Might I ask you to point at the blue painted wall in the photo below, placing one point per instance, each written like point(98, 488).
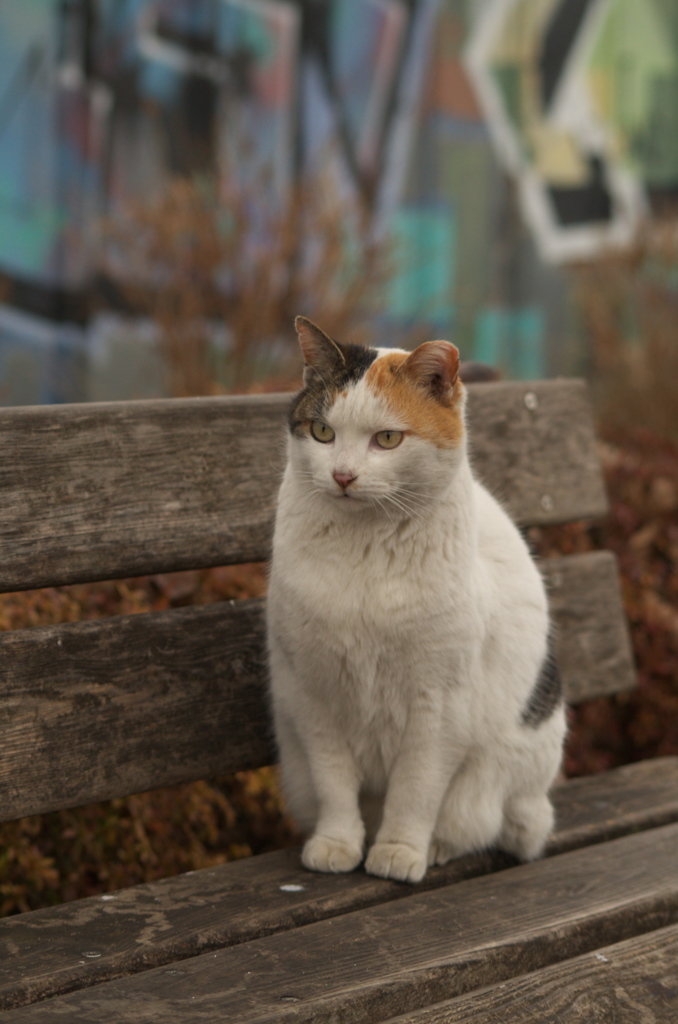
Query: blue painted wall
point(105, 100)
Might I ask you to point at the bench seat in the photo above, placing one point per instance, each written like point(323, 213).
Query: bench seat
point(317, 959)
point(118, 489)
point(638, 976)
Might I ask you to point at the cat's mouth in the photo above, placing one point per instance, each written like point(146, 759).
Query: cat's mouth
point(347, 497)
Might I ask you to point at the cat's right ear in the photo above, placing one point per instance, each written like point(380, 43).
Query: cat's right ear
point(322, 356)
point(434, 367)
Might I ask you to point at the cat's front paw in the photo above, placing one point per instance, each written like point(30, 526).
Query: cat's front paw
point(396, 860)
point(323, 854)
point(439, 852)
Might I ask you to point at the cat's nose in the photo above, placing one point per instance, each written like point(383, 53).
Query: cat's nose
point(343, 479)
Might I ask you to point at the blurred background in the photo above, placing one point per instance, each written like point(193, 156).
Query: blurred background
point(399, 168)
point(180, 178)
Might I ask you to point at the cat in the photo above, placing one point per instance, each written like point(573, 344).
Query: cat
point(416, 705)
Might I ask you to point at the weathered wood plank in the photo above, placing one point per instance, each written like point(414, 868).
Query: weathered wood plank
point(107, 490)
point(87, 698)
point(534, 446)
point(165, 922)
point(382, 961)
point(592, 642)
point(612, 803)
point(630, 982)
point(97, 709)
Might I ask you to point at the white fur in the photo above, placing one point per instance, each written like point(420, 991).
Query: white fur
point(407, 626)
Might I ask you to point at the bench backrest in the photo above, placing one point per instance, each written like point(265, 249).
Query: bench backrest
point(109, 707)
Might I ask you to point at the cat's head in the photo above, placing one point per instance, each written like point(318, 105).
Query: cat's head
point(379, 428)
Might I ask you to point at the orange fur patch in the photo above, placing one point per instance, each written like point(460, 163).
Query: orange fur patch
point(430, 419)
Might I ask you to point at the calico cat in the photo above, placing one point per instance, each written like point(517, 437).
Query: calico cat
point(416, 706)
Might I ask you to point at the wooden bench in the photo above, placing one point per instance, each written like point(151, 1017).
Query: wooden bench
point(104, 708)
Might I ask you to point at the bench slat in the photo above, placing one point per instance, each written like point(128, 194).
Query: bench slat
point(164, 922)
point(592, 641)
point(534, 446)
point(108, 490)
point(398, 957)
point(630, 981)
point(102, 491)
point(117, 706)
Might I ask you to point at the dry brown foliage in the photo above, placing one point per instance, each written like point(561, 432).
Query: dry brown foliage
point(208, 262)
point(641, 472)
point(94, 849)
point(88, 850)
point(629, 306)
point(178, 260)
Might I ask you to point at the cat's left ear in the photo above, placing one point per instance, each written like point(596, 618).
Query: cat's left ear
point(434, 367)
point(322, 356)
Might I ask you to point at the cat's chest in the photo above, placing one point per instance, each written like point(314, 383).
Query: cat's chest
point(361, 585)
point(356, 592)
point(366, 605)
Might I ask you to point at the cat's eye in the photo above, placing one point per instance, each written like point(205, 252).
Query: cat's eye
point(321, 432)
point(388, 438)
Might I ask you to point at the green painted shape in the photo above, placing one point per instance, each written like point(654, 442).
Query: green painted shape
point(528, 342)
point(512, 339)
point(634, 49)
point(33, 236)
point(256, 35)
point(468, 176)
point(424, 249)
point(24, 17)
point(656, 146)
point(488, 346)
point(669, 14)
point(507, 78)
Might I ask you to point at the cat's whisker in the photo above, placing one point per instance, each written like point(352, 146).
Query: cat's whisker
point(410, 511)
point(423, 496)
point(421, 504)
point(413, 500)
point(383, 508)
point(415, 492)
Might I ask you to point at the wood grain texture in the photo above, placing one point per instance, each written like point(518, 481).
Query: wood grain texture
point(592, 641)
point(632, 982)
point(115, 489)
point(534, 446)
point(104, 708)
point(395, 958)
point(612, 803)
point(102, 491)
point(117, 706)
point(169, 921)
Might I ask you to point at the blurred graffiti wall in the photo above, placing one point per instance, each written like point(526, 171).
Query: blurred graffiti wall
point(495, 141)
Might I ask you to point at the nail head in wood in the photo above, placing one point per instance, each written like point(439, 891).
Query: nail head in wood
point(531, 401)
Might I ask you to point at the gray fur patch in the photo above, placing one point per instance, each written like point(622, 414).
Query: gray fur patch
point(317, 395)
point(546, 695)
